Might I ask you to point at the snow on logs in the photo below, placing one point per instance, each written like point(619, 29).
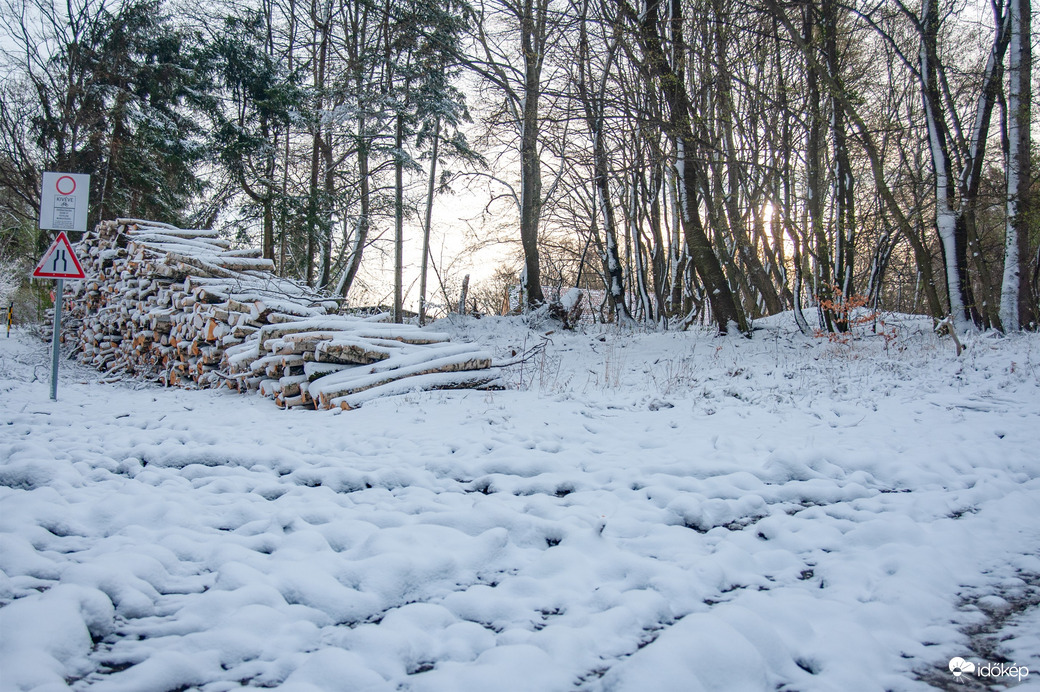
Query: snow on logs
point(180, 306)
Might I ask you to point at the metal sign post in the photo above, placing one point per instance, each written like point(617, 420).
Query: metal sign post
point(59, 291)
point(63, 207)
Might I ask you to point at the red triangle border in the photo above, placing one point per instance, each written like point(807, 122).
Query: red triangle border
point(62, 239)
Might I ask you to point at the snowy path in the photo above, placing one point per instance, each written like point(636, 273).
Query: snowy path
point(666, 512)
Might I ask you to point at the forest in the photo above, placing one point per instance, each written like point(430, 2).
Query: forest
point(691, 161)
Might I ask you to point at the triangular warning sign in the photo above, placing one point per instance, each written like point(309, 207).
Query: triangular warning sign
point(59, 262)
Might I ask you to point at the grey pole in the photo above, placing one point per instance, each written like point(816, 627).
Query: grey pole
point(59, 292)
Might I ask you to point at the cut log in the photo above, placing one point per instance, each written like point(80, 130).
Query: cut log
point(483, 379)
point(290, 385)
point(359, 379)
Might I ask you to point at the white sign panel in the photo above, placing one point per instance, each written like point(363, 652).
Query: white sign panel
point(63, 202)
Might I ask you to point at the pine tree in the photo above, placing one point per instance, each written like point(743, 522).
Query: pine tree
point(143, 137)
point(252, 119)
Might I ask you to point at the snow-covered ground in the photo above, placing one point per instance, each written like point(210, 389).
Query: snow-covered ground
point(643, 511)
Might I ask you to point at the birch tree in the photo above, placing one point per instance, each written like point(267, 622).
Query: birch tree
point(1017, 307)
point(956, 178)
point(592, 92)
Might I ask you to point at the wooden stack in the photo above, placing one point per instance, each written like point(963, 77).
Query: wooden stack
point(182, 307)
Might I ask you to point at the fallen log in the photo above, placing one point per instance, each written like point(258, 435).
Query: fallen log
point(355, 380)
point(482, 379)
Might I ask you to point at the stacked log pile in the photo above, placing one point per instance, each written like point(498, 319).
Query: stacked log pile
point(182, 307)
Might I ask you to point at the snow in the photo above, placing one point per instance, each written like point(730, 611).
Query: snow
point(638, 510)
point(571, 299)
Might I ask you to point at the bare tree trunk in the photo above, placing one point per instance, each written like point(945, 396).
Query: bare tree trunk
point(271, 165)
point(817, 180)
point(463, 295)
point(325, 220)
point(642, 270)
point(844, 198)
point(678, 258)
point(312, 203)
point(658, 258)
point(594, 108)
point(365, 201)
point(785, 191)
point(322, 28)
point(757, 278)
point(283, 216)
point(358, 34)
point(532, 32)
point(430, 189)
point(399, 220)
point(522, 87)
point(726, 238)
point(671, 80)
point(951, 214)
point(921, 252)
point(648, 180)
point(954, 244)
point(1016, 305)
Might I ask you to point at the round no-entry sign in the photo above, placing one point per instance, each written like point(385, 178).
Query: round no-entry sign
point(65, 185)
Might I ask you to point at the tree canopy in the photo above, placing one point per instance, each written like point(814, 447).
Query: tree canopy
point(695, 161)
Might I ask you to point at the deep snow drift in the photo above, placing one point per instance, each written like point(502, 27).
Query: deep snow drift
point(643, 511)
